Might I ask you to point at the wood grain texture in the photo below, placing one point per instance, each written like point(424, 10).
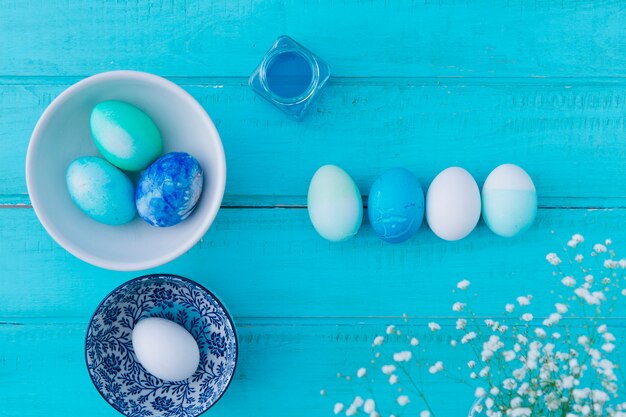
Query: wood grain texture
point(271, 263)
point(569, 137)
point(421, 84)
point(282, 368)
point(358, 38)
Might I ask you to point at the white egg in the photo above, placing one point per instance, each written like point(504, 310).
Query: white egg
point(453, 204)
point(334, 203)
point(509, 200)
point(165, 349)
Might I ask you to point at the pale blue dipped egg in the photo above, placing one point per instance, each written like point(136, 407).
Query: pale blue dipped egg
point(396, 205)
point(509, 200)
point(101, 191)
point(334, 203)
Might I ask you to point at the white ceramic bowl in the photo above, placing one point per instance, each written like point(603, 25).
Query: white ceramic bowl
point(62, 135)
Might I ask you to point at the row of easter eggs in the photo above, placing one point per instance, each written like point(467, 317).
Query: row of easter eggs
point(129, 140)
point(396, 203)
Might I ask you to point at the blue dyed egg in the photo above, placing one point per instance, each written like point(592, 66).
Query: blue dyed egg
point(101, 191)
point(509, 200)
point(396, 205)
point(169, 189)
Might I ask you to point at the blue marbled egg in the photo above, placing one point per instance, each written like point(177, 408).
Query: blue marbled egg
point(169, 189)
point(396, 205)
point(101, 191)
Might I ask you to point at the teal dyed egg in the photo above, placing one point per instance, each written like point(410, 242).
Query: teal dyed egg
point(334, 203)
point(101, 191)
point(396, 205)
point(126, 136)
point(509, 200)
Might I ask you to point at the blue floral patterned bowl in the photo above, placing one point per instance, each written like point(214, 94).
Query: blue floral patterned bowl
point(120, 378)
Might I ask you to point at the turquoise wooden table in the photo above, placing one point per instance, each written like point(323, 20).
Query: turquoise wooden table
point(417, 83)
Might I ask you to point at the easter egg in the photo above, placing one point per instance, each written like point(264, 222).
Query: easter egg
point(509, 200)
point(453, 204)
point(165, 349)
point(168, 191)
point(126, 136)
point(334, 203)
point(101, 191)
point(396, 205)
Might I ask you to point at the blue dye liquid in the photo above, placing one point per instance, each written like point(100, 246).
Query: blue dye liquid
point(288, 75)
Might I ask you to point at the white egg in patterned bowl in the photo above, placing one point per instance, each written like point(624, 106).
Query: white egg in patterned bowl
point(161, 345)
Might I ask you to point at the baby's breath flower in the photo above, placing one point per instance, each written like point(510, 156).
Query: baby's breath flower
point(611, 264)
point(561, 308)
point(509, 308)
point(622, 263)
point(568, 281)
point(599, 248)
point(608, 242)
point(463, 284)
point(527, 317)
point(458, 306)
point(361, 372)
point(390, 329)
point(541, 334)
point(480, 392)
point(434, 326)
point(453, 343)
point(579, 258)
point(608, 347)
point(602, 328)
point(393, 379)
point(414, 341)
point(553, 259)
point(378, 340)
point(437, 367)
point(468, 337)
point(403, 356)
point(425, 413)
point(338, 407)
point(523, 301)
point(369, 406)
point(403, 400)
point(471, 364)
point(509, 355)
point(388, 369)
point(460, 324)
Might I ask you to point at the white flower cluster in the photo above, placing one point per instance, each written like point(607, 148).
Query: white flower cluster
point(524, 364)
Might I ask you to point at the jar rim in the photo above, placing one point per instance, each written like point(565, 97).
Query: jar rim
point(307, 93)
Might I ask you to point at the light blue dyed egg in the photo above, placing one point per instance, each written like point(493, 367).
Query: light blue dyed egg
point(509, 200)
point(101, 191)
point(334, 203)
point(396, 205)
point(169, 189)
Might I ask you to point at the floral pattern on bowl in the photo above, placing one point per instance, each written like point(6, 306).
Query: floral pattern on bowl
point(120, 378)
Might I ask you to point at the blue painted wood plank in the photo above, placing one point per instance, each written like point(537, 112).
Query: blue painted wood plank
point(568, 136)
point(271, 263)
point(363, 38)
point(282, 368)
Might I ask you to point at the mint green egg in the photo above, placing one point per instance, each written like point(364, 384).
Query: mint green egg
point(126, 136)
point(101, 191)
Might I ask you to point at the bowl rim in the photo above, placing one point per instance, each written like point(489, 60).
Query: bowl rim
point(175, 277)
point(213, 205)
